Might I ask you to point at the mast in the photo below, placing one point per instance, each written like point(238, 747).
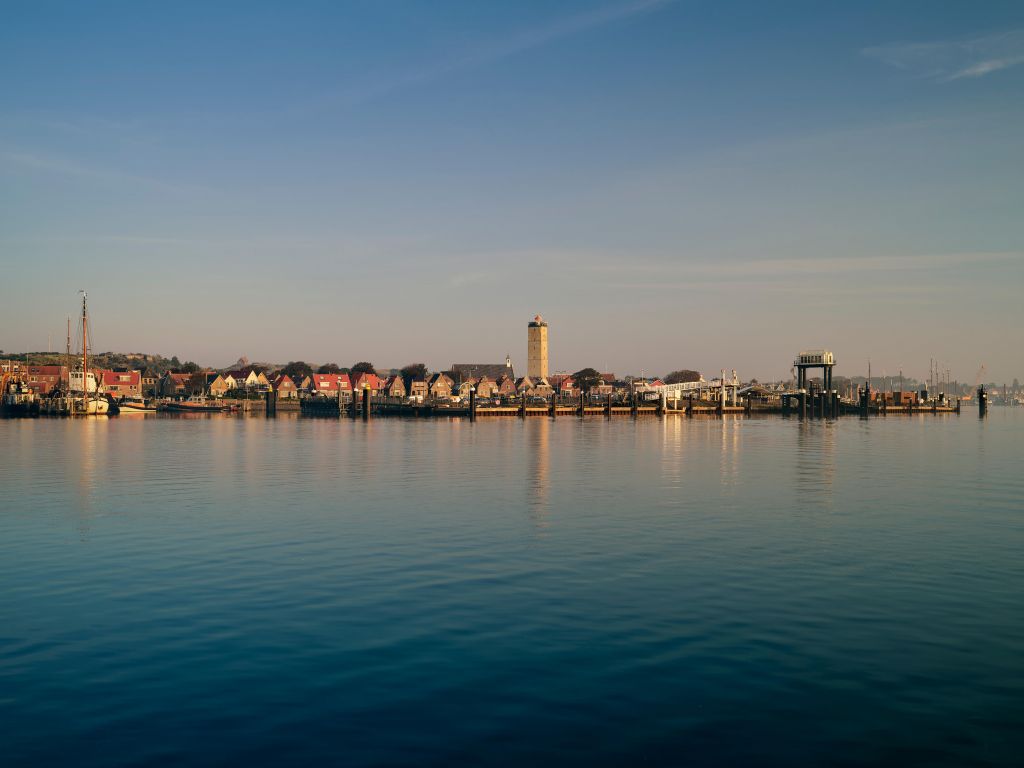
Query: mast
point(85, 348)
point(68, 358)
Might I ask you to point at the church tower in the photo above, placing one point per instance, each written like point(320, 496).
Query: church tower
point(537, 349)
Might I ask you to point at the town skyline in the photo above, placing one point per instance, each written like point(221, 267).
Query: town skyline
point(671, 188)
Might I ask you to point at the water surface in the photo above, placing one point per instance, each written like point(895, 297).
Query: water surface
point(229, 590)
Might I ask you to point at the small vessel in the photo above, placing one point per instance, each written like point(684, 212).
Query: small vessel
point(18, 399)
point(135, 405)
point(196, 405)
point(85, 401)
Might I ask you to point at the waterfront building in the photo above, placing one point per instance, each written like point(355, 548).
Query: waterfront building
point(494, 371)
point(486, 387)
point(173, 384)
point(42, 379)
point(285, 387)
point(122, 383)
point(394, 386)
point(216, 385)
point(506, 386)
point(330, 384)
point(419, 388)
point(537, 349)
point(440, 386)
point(370, 381)
point(249, 379)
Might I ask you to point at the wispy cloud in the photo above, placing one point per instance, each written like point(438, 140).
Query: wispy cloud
point(485, 53)
point(948, 60)
point(28, 160)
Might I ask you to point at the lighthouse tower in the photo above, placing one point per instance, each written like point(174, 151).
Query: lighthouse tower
point(537, 349)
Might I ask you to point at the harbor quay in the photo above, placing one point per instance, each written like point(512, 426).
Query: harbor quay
point(74, 385)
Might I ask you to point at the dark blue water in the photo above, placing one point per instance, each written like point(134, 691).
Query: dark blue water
point(230, 591)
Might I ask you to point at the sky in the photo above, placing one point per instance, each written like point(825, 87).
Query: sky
point(671, 184)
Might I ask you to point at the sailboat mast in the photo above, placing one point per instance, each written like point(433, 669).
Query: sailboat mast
point(68, 358)
point(85, 347)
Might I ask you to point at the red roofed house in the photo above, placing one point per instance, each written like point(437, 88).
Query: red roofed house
point(285, 387)
point(43, 378)
point(367, 379)
point(122, 383)
point(330, 384)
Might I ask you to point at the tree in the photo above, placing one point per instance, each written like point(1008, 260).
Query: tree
point(297, 370)
point(175, 362)
point(189, 367)
point(414, 372)
point(682, 376)
point(587, 378)
point(329, 368)
point(196, 383)
point(363, 367)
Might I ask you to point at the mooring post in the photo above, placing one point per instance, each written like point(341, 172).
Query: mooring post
point(608, 405)
point(366, 402)
point(583, 405)
point(689, 404)
point(522, 406)
point(270, 403)
point(803, 403)
point(472, 403)
point(662, 404)
point(554, 405)
point(747, 406)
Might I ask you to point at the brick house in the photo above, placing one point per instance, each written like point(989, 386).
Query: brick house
point(122, 383)
point(42, 379)
point(440, 386)
point(285, 387)
point(394, 387)
point(419, 388)
point(330, 384)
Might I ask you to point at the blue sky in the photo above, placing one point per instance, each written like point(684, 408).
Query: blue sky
point(672, 184)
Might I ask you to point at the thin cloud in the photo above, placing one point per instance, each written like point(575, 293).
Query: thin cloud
point(488, 53)
point(948, 60)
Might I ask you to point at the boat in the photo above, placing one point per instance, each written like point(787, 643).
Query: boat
point(197, 405)
point(87, 400)
point(18, 399)
point(135, 405)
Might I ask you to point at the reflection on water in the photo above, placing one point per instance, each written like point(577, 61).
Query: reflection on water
point(610, 591)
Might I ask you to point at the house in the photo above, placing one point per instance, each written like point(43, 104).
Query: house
point(566, 387)
point(149, 381)
point(486, 387)
point(330, 384)
point(505, 387)
point(285, 387)
point(494, 371)
point(173, 384)
point(465, 386)
point(122, 383)
point(394, 387)
point(523, 386)
point(42, 379)
point(304, 383)
point(419, 388)
point(440, 386)
point(217, 385)
point(370, 381)
point(249, 379)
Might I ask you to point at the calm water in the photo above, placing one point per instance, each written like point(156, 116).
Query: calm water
point(234, 591)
